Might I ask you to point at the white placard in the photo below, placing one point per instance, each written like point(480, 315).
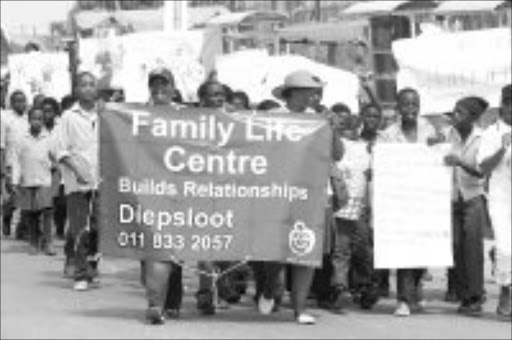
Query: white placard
point(412, 207)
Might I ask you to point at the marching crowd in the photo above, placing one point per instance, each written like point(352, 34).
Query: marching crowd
point(50, 176)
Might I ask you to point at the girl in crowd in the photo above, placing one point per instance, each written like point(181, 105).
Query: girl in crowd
point(32, 166)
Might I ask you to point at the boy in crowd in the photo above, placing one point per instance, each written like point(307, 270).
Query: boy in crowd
point(77, 151)
point(494, 158)
point(14, 125)
point(32, 174)
point(409, 129)
point(469, 208)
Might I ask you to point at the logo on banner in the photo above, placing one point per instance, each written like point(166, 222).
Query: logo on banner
point(301, 239)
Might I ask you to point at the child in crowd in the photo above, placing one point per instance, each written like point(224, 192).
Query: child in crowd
point(32, 172)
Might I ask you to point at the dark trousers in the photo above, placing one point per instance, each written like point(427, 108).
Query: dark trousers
point(299, 280)
point(40, 224)
point(351, 252)
point(409, 285)
point(269, 279)
point(163, 282)
point(59, 212)
point(469, 219)
point(82, 210)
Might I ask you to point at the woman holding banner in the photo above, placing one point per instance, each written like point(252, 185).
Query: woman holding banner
point(301, 91)
point(163, 280)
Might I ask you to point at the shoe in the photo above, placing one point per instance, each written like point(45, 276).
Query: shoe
point(418, 307)
point(475, 309)
point(402, 310)
point(265, 306)
point(154, 316)
point(504, 305)
point(305, 319)
point(172, 313)
point(342, 298)
point(81, 286)
point(368, 297)
point(205, 302)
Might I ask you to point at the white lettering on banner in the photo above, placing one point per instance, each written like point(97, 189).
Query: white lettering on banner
point(176, 160)
point(136, 214)
point(412, 207)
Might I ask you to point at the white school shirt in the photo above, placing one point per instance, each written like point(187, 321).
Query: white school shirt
point(32, 161)
point(14, 127)
point(77, 135)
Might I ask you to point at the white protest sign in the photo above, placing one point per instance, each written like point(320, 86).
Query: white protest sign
point(126, 61)
point(412, 207)
point(445, 66)
point(40, 73)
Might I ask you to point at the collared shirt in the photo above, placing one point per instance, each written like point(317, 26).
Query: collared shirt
point(466, 185)
point(500, 182)
point(77, 136)
point(32, 161)
point(14, 127)
point(395, 133)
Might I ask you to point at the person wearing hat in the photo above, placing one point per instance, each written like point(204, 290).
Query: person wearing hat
point(162, 279)
point(494, 159)
point(469, 205)
point(300, 92)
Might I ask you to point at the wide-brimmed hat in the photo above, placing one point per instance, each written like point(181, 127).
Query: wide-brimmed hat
point(298, 79)
point(161, 73)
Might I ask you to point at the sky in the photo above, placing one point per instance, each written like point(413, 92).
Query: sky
point(38, 14)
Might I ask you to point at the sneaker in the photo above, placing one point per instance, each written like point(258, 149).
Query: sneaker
point(205, 302)
point(154, 316)
point(342, 299)
point(305, 319)
point(265, 306)
point(402, 310)
point(81, 286)
point(172, 313)
point(505, 304)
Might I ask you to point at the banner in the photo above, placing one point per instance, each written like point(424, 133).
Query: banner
point(445, 66)
point(40, 73)
point(126, 61)
point(412, 207)
point(198, 184)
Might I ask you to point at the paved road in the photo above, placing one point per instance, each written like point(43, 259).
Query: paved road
point(36, 302)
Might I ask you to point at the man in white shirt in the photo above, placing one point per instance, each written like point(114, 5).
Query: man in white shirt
point(494, 159)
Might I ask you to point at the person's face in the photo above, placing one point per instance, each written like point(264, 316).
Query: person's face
point(409, 107)
point(215, 96)
point(462, 118)
point(372, 119)
point(36, 121)
point(49, 113)
point(341, 121)
point(316, 98)
point(19, 103)
point(506, 110)
point(301, 98)
point(238, 103)
point(161, 91)
point(86, 88)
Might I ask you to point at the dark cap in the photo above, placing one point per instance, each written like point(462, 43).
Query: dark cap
point(161, 73)
point(475, 105)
